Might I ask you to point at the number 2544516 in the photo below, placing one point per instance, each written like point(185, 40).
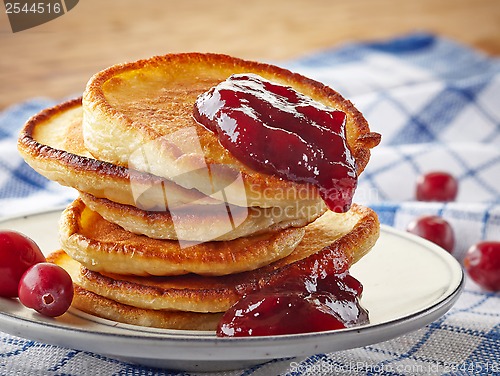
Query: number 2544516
point(21, 7)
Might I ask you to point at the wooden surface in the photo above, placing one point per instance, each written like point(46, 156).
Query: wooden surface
point(57, 58)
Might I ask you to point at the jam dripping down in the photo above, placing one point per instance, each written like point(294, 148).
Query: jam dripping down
point(274, 129)
point(297, 301)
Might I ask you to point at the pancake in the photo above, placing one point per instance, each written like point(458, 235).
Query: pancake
point(51, 142)
point(102, 307)
point(202, 223)
point(331, 238)
point(103, 246)
point(140, 113)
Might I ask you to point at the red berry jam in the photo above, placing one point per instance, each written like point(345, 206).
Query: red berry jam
point(276, 130)
point(297, 303)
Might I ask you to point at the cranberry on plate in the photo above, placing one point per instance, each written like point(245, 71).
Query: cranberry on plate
point(47, 288)
point(17, 254)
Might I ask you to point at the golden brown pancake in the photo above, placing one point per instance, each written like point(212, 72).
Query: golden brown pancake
point(202, 222)
point(51, 142)
point(102, 307)
point(104, 246)
point(141, 113)
point(351, 235)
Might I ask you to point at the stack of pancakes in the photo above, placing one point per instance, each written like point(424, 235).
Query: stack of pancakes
point(169, 228)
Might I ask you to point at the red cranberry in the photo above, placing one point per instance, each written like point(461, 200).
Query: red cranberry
point(436, 186)
point(482, 263)
point(434, 229)
point(17, 254)
point(47, 288)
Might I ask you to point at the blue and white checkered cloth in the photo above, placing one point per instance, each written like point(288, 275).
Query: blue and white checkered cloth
point(437, 105)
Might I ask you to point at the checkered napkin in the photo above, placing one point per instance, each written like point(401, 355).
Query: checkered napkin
point(437, 105)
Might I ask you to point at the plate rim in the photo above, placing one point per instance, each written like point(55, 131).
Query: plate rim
point(415, 319)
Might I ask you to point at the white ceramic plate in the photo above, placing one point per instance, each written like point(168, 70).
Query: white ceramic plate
point(408, 283)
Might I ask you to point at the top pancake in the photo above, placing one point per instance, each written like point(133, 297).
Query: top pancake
point(51, 142)
point(140, 114)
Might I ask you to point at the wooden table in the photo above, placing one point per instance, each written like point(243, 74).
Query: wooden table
point(57, 58)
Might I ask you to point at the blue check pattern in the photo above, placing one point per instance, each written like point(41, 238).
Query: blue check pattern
point(437, 105)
